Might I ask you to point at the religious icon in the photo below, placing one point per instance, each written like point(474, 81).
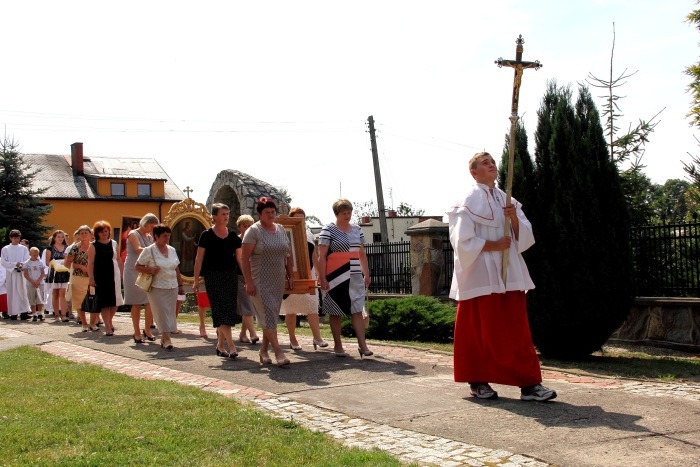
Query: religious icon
point(187, 220)
point(184, 239)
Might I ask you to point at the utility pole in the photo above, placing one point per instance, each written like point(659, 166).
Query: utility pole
point(378, 182)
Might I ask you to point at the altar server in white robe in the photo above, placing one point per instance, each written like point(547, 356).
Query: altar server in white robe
point(12, 258)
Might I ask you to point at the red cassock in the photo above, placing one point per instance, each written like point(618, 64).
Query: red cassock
point(492, 341)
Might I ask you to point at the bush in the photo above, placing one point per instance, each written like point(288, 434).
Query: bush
point(423, 319)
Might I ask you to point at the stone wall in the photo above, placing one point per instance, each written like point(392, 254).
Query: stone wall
point(240, 192)
point(671, 322)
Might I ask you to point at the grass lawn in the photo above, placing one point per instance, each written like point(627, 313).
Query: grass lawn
point(630, 361)
point(55, 412)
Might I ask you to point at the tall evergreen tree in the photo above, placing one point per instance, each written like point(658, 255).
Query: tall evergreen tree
point(581, 263)
point(523, 167)
point(20, 204)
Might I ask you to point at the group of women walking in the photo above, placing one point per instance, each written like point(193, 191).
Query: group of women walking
point(262, 253)
point(245, 274)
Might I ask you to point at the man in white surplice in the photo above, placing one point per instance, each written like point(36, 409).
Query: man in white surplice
point(12, 258)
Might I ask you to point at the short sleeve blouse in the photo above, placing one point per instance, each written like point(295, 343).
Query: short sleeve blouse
point(220, 252)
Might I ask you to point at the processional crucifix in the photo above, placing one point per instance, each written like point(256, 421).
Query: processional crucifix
point(518, 65)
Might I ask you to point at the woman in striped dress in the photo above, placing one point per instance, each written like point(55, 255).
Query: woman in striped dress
point(343, 275)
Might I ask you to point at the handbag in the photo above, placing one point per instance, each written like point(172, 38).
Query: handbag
point(69, 292)
point(144, 281)
point(89, 304)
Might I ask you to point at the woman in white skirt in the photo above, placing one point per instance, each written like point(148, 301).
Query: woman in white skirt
point(303, 304)
point(160, 259)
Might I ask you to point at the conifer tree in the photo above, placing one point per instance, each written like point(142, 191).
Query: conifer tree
point(20, 203)
point(581, 262)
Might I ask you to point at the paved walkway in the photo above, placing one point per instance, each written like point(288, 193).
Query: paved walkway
point(395, 401)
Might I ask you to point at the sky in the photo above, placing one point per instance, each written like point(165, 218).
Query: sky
point(282, 90)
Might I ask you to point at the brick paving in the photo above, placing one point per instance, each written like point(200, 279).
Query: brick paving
point(407, 445)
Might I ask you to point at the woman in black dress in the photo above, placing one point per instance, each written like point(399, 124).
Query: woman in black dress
point(218, 254)
point(105, 271)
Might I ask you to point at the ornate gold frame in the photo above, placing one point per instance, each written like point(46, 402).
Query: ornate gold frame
point(296, 229)
point(188, 209)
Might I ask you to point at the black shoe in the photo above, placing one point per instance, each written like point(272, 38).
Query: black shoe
point(13, 317)
point(150, 338)
point(24, 316)
point(34, 318)
point(41, 317)
point(5, 316)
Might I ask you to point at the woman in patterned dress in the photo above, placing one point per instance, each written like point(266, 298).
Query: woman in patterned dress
point(138, 239)
point(245, 305)
point(58, 279)
point(266, 260)
point(218, 251)
point(105, 270)
point(78, 258)
point(343, 275)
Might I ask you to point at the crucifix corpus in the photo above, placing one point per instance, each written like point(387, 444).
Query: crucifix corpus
point(518, 65)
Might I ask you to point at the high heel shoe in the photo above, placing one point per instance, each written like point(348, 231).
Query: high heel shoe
point(365, 353)
point(222, 353)
point(283, 362)
point(340, 354)
point(150, 338)
point(168, 346)
point(243, 340)
point(137, 340)
point(265, 360)
point(254, 340)
point(321, 343)
point(233, 355)
point(294, 347)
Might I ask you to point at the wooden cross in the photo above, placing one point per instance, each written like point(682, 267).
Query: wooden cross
point(188, 190)
point(518, 65)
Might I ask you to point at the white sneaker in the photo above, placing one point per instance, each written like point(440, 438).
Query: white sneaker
point(483, 391)
point(537, 393)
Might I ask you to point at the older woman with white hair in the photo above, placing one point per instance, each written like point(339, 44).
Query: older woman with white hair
point(136, 241)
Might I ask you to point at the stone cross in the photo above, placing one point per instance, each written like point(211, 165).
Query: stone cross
point(518, 65)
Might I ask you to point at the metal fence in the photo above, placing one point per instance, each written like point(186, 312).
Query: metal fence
point(390, 267)
point(667, 260)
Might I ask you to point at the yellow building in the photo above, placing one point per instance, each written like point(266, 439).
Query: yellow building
point(83, 190)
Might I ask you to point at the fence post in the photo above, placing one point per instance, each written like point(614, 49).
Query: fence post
point(427, 258)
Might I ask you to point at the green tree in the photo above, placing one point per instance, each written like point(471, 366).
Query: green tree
point(640, 193)
point(670, 202)
point(581, 263)
point(20, 203)
point(693, 71)
point(523, 167)
point(628, 146)
point(406, 209)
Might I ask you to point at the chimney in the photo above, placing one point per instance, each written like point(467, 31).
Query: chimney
point(76, 158)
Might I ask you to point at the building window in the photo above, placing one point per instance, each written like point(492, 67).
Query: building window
point(144, 189)
point(118, 189)
point(376, 237)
